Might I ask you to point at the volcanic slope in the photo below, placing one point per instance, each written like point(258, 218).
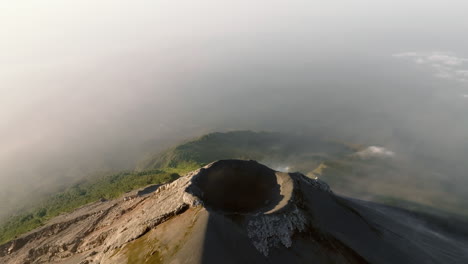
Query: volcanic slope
point(398, 180)
point(235, 211)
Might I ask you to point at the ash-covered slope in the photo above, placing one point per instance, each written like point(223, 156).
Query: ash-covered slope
point(234, 211)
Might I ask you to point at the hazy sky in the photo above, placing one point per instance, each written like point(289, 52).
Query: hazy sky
point(87, 84)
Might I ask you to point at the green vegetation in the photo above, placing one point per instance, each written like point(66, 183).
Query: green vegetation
point(262, 146)
point(332, 161)
point(215, 146)
point(299, 153)
point(143, 250)
point(104, 187)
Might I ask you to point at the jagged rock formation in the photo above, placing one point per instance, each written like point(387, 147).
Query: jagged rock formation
point(234, 211)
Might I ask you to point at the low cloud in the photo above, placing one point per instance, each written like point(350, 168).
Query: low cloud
point(375, 152)
point(282, 168)
point(445, 65)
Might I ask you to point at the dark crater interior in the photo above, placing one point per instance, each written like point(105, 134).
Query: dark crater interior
point(238, 186)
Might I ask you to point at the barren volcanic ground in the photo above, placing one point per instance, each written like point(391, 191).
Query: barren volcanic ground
point(235, 211)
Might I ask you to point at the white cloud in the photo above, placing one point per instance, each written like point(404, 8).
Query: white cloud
point(375, 152)
point(445, 65)
point(465, 96)
point(281, 168)
point(446, 59)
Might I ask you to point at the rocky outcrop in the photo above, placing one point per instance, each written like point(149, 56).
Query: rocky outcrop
point(235, 211)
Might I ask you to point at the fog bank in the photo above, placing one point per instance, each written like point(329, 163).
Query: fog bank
point(87, 86)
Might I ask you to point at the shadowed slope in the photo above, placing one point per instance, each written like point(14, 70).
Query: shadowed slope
point(235, 211)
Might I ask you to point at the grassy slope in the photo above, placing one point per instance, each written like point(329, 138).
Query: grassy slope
point(104, 187)
point(164, 167)
point(329, 160)
point(297, 152)
point(379, 180)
